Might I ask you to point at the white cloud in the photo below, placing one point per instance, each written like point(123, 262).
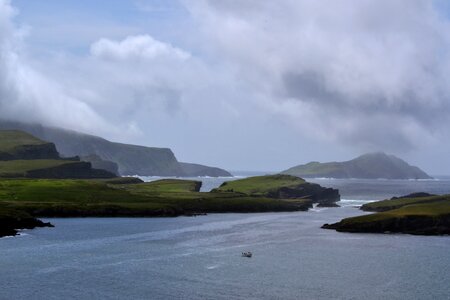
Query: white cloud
point(136, 47)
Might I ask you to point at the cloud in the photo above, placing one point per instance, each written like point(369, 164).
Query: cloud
point(136, 47)
point(28, 95)
point(366, 72)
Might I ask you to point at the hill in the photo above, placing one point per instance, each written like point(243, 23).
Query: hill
point(16, 144)
point(367, 166)
point(130, 159)
point(23, 155)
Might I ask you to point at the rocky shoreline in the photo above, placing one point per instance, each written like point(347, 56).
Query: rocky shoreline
point(418, 214)
point(11, 221)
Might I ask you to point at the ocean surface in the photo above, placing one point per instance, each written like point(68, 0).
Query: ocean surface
point(200, 257)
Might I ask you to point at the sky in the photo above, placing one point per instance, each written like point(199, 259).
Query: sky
point(239, 84)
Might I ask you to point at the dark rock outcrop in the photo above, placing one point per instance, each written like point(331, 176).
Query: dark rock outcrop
point(418, 225)
point(325, 197)
point(12, 220)
point(367, 166)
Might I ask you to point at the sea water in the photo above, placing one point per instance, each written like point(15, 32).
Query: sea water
point(200, 257)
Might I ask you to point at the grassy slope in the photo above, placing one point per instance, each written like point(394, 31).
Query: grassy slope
point(314, 168)
point(18, 168)
point(45, 197)
point(260, 185)
point(386, 205)
point(9, 139)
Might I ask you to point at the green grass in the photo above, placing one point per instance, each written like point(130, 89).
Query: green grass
point(260, 185)
point(18, 168)
point(386, 205)
point(314, 168)
point(51, 197)
point(426, 218)
point(9, 139)
point(435, 209)
point(169, 186)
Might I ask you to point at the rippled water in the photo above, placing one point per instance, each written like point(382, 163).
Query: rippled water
point(199, 258)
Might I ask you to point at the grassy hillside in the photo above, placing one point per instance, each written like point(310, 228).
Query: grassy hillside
point(260, 185)
point(386, 205)
point(10, 139)
point(19, 168)
point(45, 197)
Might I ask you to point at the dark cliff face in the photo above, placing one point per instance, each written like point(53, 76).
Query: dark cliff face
point(72, 170)
point(27, 152)
point(368, 166)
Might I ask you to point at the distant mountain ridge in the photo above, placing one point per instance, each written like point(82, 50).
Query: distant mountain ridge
point(368, 166)
point(130, 159)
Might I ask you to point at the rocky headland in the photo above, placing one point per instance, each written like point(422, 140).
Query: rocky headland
point(419, 214)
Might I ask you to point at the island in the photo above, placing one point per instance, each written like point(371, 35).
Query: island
point(368, 166)
point(419, 214)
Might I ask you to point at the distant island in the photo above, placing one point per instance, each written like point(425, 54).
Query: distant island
point(367, 166)
point(123, 159)
point(419, 214)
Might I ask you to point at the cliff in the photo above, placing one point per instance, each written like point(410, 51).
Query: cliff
point(131, 159)
point(16, 144)
point(23, 155)
point(367, 166)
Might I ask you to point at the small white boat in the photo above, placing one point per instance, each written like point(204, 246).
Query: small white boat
point(247, 254)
